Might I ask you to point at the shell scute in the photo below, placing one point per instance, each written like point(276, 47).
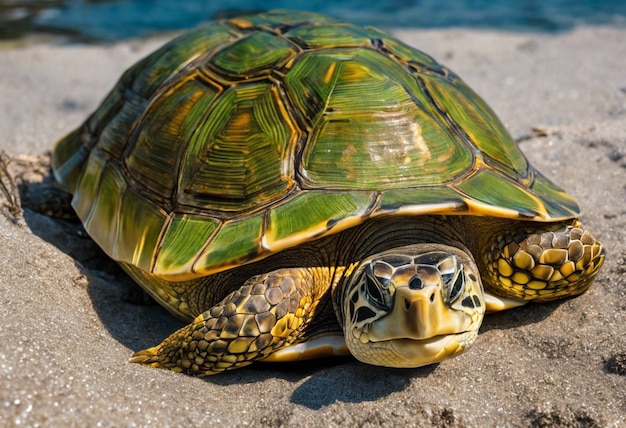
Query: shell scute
point(238, 241)
point(381, 141)
point(557, 202)
point(476, 120)
point(320, 210)
point(280, 21)
point(240, 156)
point(182, 243)
point(328, 36)
point(164, 64)
point(490, 193)
point(88, 187)
point(104, 218)
point(263, 50)
point(163, 135)
point(136, 244)
point(114, 135)
point(416, 201)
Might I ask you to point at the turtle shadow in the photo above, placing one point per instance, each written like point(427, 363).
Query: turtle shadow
point(355, 383)
point(128, 314)
point(322, 382)
point(531, 313)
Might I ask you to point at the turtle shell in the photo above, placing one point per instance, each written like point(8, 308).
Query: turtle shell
point(252, 135)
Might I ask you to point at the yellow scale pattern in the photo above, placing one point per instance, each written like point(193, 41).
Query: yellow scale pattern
point(543, 266)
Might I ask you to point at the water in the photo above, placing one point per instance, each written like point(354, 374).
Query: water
point(114, 20)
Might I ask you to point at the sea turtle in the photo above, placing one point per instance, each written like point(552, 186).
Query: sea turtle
point(296, 186)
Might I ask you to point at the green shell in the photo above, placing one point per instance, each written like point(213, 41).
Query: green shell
point(256, 134)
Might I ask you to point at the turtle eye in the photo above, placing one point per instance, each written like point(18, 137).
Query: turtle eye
point(457, 288)
point(377, 293)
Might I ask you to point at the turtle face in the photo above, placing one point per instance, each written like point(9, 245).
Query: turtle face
point(412, 310)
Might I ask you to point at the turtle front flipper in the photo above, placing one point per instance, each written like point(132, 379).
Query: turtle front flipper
point(268, 313)
point(543, 264)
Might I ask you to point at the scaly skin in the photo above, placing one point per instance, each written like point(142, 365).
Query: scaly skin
point(268, 313)
point(543, 265)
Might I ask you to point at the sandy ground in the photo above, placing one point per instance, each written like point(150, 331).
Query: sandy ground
point(67, 328)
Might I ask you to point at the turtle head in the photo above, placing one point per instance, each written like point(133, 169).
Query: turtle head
point(410, 307)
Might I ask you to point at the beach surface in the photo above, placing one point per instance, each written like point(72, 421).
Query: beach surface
point(68, 327)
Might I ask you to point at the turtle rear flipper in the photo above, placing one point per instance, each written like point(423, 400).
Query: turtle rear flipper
point(51, 200)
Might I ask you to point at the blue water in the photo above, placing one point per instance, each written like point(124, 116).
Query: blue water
point(119, 19)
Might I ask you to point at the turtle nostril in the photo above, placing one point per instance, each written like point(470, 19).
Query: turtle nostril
point(416, 283)
point(407, 305)
point(432, 296)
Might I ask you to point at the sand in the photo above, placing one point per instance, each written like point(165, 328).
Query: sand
point(67, 327)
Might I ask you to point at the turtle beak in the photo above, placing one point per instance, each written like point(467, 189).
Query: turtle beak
point(419, 315)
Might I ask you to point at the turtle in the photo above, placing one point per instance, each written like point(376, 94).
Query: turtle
point(295, 187)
